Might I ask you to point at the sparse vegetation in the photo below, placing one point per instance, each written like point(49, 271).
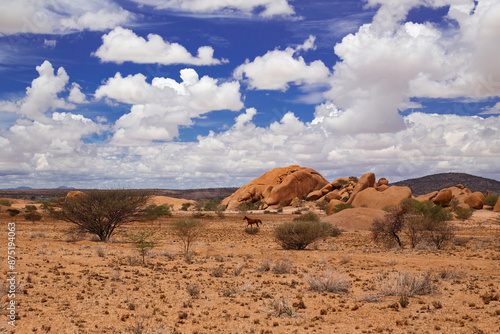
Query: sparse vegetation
point(188, 230)
point(341, 206)
point(307, 217)
point(32, 214)
point(491, 200)
point(154, 211)
point(102, 212)
point(186, 206)
point(463, 213)
point(417, 221)
point(252, 230)
point(405, 283)
point(143, 242)
point(300, 234)
point(330, 281)
point(5, 202)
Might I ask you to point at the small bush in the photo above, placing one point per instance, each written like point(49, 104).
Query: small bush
point(246, 206)
point(13, 212)
point(490, 200)
point(193, 290)
point(281, 308)
point(463, 214)
point(322, 205)
point(33, 216)
point(300, 234)
point(264, 266)
point(185, 206)
point(154, 211)
point(188, 231)
point(282, 266)
point(341, 206)
point(5, 202)
point(252, 230)
point(307, 217)
point(330, 281)
point(218, 271)
point(405, 283)
point(143, 242)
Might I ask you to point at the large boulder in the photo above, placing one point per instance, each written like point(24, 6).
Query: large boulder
point(366, 181)
point(331, 205)
point(371, 198)
point(314, 195)
point(74, 193)
point(443, 198)
point(474, 201)
point(331, 196)
point(277, 186)
point(496, 208)
point(427, 197)
point(355, 218)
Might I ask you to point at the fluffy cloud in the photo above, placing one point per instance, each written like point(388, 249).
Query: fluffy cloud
point(159, 108)
point(494, 110)
point(386, 63)
point(60, 16)
point(271, 8)
point(43, 94)
point(121, 45)
point(277, 69)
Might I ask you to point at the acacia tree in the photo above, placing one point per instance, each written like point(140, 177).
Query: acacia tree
point(101, 212)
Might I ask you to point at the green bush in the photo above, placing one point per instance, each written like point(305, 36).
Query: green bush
point(463, 213)
point(245, 206)
point(102, 212)
point(154, 211)
point(33, 216)
point(5, 202)
point(188, 231)
point(307, 217)
point(300, 234)
point(435, 213)
point(142, 241)
point(13, 212)
point(341, 206)
point(490, 200)
point(185, 206)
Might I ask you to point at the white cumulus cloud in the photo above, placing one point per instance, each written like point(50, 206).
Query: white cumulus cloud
point(60, 16)
point(388, 62)
point(121, 45)
point(271, 8)
point(278, 68)
point(160, 107)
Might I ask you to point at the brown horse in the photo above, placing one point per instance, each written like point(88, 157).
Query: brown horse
point(252, 221)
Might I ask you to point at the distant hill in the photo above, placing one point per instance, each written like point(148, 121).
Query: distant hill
point(191, 194)
point(426, 184)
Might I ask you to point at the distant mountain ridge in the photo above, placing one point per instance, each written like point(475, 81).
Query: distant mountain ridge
point(427, 184)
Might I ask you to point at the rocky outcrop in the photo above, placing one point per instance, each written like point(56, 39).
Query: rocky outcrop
point(366, 181)
point(427, 197)
point(443, 198)
point(496, 208)
point(474, 201)
point(371, 198)
point(278, 187)
point(355, 219)
point(331, 206)
point(74, 193)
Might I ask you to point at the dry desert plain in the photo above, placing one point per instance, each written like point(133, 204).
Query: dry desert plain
point(241, 283)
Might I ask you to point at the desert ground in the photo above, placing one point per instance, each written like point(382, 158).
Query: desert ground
point(235, 282)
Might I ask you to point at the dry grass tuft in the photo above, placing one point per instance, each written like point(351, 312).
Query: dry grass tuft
point(405, 283)
point(330, 281)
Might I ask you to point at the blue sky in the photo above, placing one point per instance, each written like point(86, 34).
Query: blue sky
point(194, 94)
